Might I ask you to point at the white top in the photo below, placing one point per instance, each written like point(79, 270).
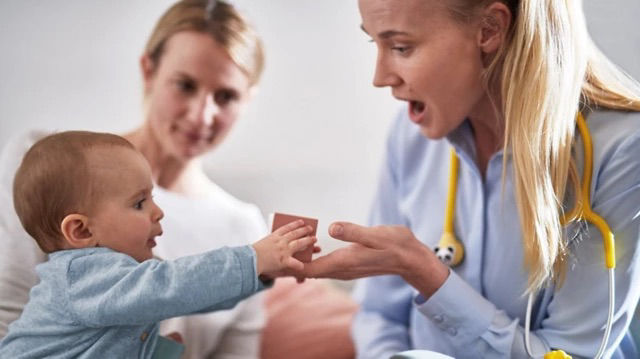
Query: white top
point(208, 223)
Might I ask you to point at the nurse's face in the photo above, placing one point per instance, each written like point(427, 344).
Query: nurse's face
point(194, 95)
point(428, 59)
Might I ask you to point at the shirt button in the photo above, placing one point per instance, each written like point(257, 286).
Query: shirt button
point(144, 336)
point(452, 331)
point(438, 319)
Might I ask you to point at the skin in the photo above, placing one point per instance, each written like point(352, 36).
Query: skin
point(425, 56)
point(435, 63)
point(127, 220)
point(194, 95)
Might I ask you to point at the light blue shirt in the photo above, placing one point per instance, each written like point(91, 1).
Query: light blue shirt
point(479, 311)
point(98, 303)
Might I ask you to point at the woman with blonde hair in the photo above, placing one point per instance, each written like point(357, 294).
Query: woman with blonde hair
point(513, 119)
point(199, 67)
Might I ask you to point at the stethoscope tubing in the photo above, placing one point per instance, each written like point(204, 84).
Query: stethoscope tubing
point(581, 211)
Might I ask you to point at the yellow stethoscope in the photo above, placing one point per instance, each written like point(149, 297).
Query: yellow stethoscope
point(451, 251)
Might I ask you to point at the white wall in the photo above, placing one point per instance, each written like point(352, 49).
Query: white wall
point(312, 140)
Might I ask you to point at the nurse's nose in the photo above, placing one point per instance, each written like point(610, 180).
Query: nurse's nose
point(384, 75)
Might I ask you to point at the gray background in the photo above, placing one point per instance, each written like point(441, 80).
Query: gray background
point(312, 140)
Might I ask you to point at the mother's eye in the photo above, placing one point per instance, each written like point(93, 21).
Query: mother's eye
point(186, 86)
point(223, 97)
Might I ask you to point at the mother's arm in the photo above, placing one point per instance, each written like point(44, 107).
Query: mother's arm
point(242, 338)
point(19, 253)
point(19, 256)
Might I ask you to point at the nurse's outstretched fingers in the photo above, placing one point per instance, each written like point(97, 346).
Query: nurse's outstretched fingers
point(351, 232)
point(378, 237)
point(343, 263)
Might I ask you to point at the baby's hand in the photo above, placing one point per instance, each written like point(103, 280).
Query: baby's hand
point(275, 252)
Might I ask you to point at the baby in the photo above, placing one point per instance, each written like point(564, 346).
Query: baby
point(86, 199)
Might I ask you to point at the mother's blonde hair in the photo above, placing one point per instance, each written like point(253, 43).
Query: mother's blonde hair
point(546, 71)
point(222, 22)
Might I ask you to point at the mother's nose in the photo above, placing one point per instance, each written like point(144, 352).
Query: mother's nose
point(202, 110)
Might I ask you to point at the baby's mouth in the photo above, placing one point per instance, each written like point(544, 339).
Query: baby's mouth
point(416, 107)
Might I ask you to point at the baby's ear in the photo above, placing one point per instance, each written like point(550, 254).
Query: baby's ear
point(76, 232)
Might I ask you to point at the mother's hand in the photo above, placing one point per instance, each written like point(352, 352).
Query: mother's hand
point(380, 250)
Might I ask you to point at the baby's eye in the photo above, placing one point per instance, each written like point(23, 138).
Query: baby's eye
point(138, 205)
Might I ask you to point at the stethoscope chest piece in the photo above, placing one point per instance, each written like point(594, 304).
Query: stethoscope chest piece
point(449, 250)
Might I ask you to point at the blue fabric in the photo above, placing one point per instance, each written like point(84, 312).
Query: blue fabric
point(167, 349)
point(98, 303)
point(480, 309)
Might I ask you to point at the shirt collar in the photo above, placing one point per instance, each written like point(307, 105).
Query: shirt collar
point(462, 140)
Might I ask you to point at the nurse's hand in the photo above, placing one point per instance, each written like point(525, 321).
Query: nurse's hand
point(380, 250)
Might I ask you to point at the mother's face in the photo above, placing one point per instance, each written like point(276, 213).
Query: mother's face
point(194, 95)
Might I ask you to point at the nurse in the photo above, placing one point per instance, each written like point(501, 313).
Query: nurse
point(495, 88)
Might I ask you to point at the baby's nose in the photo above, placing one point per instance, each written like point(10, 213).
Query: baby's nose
point(158, 214)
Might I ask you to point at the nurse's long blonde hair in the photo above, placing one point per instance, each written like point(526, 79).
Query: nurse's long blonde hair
point(547, 69)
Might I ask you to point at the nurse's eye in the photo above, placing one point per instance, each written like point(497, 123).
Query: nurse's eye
point(139, 204)
point(186, 86)
point(224, 97)
point(402, 50)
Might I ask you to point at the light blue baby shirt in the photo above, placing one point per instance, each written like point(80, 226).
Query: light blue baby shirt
point(479, 311)
point(98, 303)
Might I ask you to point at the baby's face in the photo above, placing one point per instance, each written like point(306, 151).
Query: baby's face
point(125, 218)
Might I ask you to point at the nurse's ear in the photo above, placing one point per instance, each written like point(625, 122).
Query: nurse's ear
point(76, 233)
point(495, 21)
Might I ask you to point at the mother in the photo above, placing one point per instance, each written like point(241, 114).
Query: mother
point(199, 68)
point(496, 87)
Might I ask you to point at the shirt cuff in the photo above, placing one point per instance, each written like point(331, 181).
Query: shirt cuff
point(247, 257)
point(457, 309)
